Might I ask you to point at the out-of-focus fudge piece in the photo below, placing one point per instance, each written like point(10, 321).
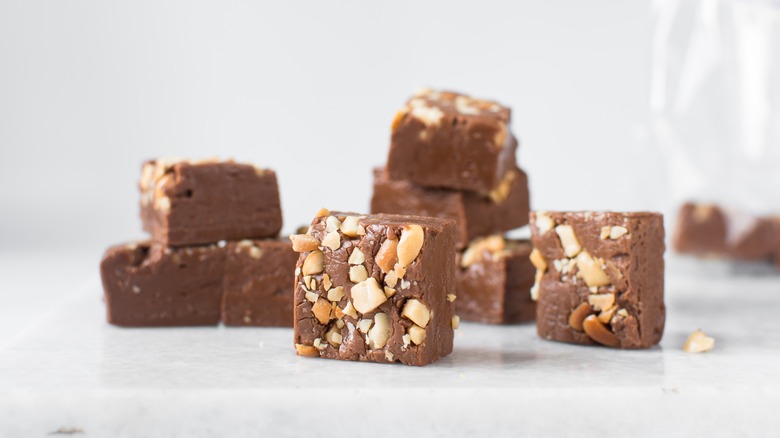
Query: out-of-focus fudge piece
point(776, 239)
point(445, 139)
point(375, 288)
point(185, 202)
point(503, 209)
point(713, 231)
point(600, 277)
point(259, 283)
point(494, 279)
point(149, 285)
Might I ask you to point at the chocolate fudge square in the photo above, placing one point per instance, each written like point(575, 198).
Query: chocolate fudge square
point(259, 283)
point(449, 140)
point(600, 277)
point(150, 285)
point(494, 280)
point(711, 231)
point(476, 214)
point(186, 202)
point(776, 240)
point(375, 288)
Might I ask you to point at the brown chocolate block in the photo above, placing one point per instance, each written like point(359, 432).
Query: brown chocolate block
point(186, 202)
point(374, 288)
point(259, 283)
point(494, 281)
point(449, 140)
point(503, 209)
point(600, 277)
point(712, 231)
point(775, 221)
point(151, 285)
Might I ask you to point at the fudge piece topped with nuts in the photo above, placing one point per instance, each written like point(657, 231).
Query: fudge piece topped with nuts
point(374, 288)
point(185, 202)
point(600, 277)
point(713, 231)
point(449, 140)
point(476, 214)
point(494, 280)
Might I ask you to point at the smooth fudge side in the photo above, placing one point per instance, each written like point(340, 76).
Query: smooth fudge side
point(258, 282)
point(187, 202)
point(149, 285)
point(494, 279)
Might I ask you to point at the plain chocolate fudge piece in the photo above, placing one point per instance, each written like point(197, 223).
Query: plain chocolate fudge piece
point(503, 209)
point(259, 283)
point(185, 202)
point(776, 239)
point(148, 285)
point(712, 231)
point(494, 280)
point(449, 140)
point(374, 288)
point(600, 277)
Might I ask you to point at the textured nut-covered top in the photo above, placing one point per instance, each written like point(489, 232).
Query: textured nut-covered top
point(156, 174)
point(428, 104)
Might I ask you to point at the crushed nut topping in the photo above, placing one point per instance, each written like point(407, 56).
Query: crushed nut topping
point(322, 311)
point(350, 226)
point(306, 350)
point(332, 240)
point(367, 295)
point(571, 246)
point(578, 315)
point(357, 273)
point(357, 257)
point(380, 332)
point(493, 245)
point(543, 222)
point(591, 271)
point(304, 242)
point(410, 244)
point(313, 263)
point(336, 294)
point(417, 312)
point(599, 332)
point(387, 256)
point(416, 334)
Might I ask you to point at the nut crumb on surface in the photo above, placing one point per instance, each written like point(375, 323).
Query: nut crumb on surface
point(698, 342)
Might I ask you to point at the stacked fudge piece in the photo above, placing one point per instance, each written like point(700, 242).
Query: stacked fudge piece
point(375, 288)
point(709, 230)
point(214, 253)
point(453, 157)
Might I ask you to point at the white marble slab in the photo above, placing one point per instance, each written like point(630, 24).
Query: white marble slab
point(71, 370)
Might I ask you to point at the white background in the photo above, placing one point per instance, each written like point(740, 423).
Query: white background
point(88, 89)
